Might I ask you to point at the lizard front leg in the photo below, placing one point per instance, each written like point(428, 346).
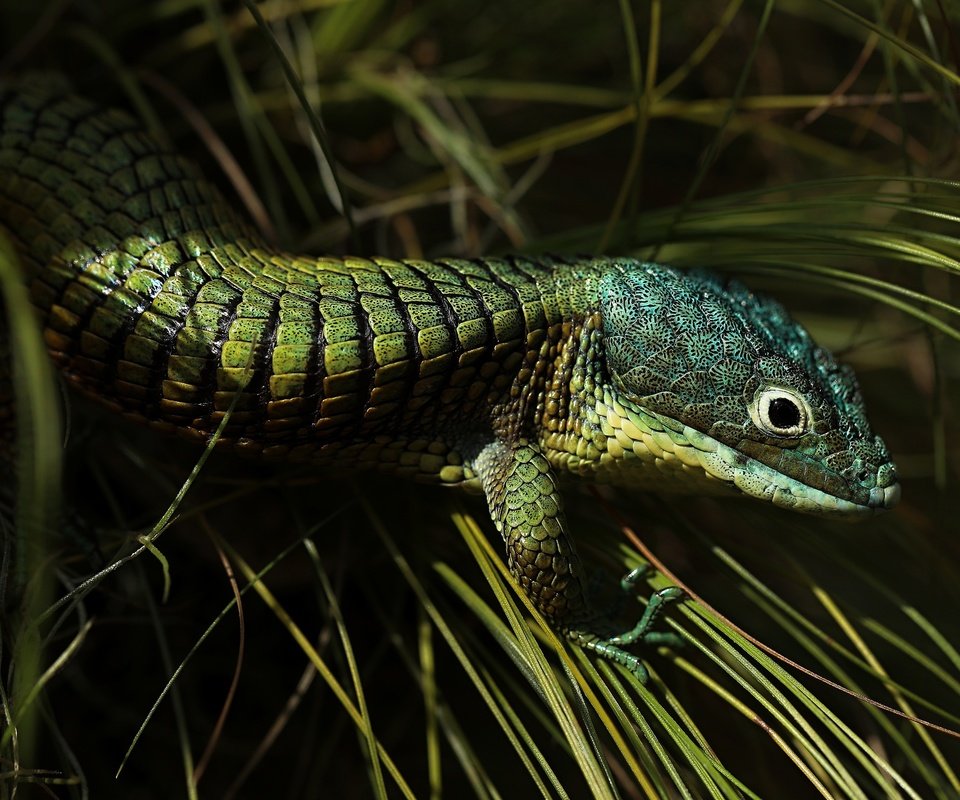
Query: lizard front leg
point(527, 510)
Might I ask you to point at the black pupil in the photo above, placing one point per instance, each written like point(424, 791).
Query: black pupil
point(783, 413)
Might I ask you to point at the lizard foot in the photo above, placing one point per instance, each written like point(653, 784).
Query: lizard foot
point(612, 647)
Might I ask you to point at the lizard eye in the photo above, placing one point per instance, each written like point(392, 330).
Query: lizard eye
point(780, 412)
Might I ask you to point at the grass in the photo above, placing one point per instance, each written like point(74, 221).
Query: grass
point(212, 628)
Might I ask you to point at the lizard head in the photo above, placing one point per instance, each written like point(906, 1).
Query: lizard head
point(728, 374)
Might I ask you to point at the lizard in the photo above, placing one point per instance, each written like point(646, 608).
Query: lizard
point(502, 375)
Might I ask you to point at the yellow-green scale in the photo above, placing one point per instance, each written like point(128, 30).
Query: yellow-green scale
point(159, 300)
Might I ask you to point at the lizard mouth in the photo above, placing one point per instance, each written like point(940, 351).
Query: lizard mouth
point(825, 492)
point(757, 479)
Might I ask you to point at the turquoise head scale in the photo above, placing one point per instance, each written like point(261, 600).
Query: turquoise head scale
point(781, 418)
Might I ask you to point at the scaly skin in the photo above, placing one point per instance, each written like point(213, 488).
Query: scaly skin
point(499, 374)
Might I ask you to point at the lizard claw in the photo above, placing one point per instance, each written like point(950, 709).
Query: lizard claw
point(655, 606)
point(612, 647)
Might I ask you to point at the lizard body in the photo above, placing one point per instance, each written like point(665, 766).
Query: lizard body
point(498, 374)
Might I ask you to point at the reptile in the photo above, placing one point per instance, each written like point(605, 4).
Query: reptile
point(502, 375)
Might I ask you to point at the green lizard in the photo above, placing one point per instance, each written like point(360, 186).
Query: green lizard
point(498, 374)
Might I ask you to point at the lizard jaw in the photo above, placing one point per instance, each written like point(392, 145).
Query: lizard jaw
point(646, 448)
point(756, 479)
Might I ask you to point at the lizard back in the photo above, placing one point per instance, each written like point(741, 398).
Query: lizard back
point(158, 298)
